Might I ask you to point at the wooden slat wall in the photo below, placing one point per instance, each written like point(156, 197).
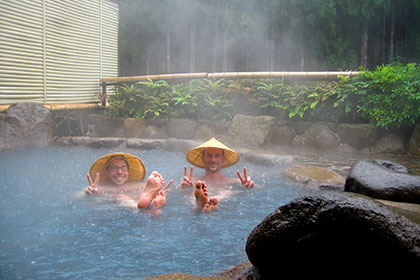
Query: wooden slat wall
point(56, 52)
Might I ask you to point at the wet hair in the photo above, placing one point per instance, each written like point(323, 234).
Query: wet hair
point(117, 157)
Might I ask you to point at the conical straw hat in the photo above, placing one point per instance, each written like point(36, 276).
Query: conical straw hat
point(136, 172)
point(194, 156)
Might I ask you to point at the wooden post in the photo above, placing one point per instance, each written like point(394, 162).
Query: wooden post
point(103, 94)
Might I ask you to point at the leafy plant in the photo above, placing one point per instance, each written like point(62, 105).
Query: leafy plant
point(156, 99)
point(146, 99)
point(186, 99)
point(295, 100)
point(124, 102)
point(389, 96)
point(216, 103)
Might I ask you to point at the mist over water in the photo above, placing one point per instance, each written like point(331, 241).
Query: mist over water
point(47, 231)
point(204, 36)
point(176, 36)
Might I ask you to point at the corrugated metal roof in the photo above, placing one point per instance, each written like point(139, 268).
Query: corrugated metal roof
point(56, 51)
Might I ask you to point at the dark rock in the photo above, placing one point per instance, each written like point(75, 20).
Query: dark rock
point(267, 159)
point(182, 276)
point(154, 132)
point(182, 128)
point(283, 135)
point(134, 128)
point(339, 231)
point(145, 144)
point(414, 143)
point(204, 132)
point(26, 125)
point(97, 142)
point(357, 135)
point(383, 180)
point(103, 126)
point(252, 130)
point(300, 127)
point(391, 144)
point(176, 145)
point(320, 136)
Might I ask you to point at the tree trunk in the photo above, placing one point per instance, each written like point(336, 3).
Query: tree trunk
point(302, 59)
point(192, 49)
point(224, 64)
point(216, 40)
point(271, 57)
point(168, 51)
point(392, 33)
point(364, 47)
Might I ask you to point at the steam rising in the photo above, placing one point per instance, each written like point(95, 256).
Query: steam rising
point(200, 36)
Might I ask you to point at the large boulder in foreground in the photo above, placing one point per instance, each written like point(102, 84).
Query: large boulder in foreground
point(344, 232)
point(384, 180)
point(26, 125)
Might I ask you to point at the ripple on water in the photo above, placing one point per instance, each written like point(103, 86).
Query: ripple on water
point(48, 232)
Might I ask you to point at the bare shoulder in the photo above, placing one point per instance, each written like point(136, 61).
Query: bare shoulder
point(231, 181)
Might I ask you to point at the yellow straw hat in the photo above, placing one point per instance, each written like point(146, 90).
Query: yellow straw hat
point(136, 167)
point(194, 156)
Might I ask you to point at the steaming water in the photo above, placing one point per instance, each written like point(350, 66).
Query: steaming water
point(46, 232)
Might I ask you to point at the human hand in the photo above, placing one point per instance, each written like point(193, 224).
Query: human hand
point(246, 180)
point(187, 181)
point(93, 185)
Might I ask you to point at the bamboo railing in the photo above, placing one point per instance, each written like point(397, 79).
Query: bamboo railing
point(57, 107)
point(326, 75)
point(285, 75)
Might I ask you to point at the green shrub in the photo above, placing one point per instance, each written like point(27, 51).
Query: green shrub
point(389, 96)
point(146, 99)
point(205, 99)
point(295, 100)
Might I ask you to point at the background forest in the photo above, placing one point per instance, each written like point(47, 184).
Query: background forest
point(174, 36)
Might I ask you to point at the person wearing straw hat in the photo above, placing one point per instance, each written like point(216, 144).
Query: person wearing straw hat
point(212, 156)
point(120, 174)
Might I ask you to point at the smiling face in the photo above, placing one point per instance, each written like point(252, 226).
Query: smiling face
point(213, 159)
point(117, 172)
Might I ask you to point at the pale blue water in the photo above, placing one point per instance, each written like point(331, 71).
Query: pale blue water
point(48, 233)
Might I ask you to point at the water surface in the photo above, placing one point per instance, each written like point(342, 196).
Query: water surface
point(48, 232)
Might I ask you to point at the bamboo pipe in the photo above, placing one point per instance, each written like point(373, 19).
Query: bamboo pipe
point(154, 77)
point(58, 107)
point(323, 75)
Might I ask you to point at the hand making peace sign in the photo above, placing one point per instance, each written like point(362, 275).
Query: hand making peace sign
point(93, 186)
point(187, 181)
point(246, 180)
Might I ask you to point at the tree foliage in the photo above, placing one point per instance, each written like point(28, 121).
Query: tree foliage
point(259, 35)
